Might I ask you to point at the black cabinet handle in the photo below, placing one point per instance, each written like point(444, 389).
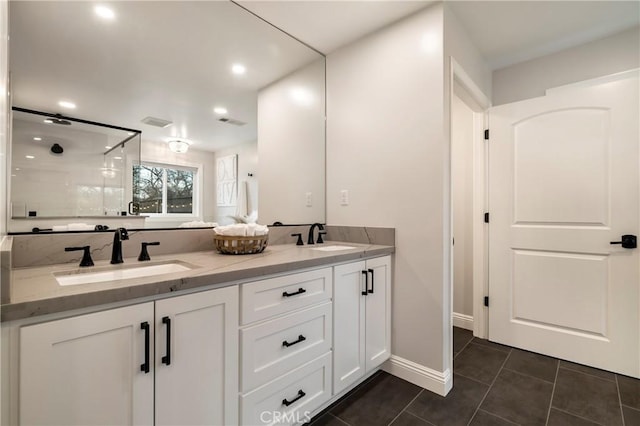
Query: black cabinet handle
point(145, 367)
point(301, 394)
point(371, 272)
point(301, 338)
point(300, 291)
point(628, 241)
point(167, 358)
point(366, 283)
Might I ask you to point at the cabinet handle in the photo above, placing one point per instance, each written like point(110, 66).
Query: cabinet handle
point(301, 394)
point(300, 291)
point(145, 367)
point(301, 338)
point(371, 272)
point(167, 358)
point(366, 283)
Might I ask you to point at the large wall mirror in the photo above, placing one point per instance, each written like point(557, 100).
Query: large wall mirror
point(230, 109)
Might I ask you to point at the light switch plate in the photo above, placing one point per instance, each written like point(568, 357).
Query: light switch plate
point(344, 197)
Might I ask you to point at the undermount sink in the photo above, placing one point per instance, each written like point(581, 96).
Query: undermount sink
point(121, 273)
point(332, 248)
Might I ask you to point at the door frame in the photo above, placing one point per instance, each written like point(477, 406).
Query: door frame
point(479, 103)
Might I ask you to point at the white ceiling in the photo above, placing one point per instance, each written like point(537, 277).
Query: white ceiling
point(171, 60)
point(509, 32)
point(327, 25)
point(506, 32)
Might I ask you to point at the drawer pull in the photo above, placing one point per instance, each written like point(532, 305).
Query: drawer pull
point(300, 291)
point(301, 338)
point(301, 394)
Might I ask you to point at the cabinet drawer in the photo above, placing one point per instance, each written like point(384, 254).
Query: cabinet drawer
point(290, 399)
point(275, 296)
point(274, 348)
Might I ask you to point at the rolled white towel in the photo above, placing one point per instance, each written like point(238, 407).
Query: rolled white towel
point(59, 228)
point(251, 229)
point(262, 230)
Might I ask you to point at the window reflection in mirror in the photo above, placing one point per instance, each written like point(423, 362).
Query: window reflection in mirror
point(130, 68)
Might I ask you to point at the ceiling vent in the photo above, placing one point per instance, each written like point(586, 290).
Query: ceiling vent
point(157, 122)
point(232, 121)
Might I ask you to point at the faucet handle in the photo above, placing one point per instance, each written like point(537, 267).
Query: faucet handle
point(144, 254)
point(86, 257)
point(320, 234)
point(299, 242)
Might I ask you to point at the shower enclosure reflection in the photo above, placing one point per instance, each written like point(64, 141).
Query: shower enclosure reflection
point(66, 167)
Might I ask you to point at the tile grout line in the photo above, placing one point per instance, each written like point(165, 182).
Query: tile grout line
point(579, 417)
point(619, 399)
point(490, 386)
point(463, 348)
point(407, 406)
point(553, 391)
point(409, 413)
point(338, 418)
point(589, 374)
point(532, 377)
point(501, 418)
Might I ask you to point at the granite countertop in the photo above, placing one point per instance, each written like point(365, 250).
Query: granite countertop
point(35, 291)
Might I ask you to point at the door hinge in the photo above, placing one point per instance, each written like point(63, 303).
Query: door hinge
point(486, 134)
point(486, 301)
point(486, 217)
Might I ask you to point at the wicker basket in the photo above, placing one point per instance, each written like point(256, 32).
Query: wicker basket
point(240, 245)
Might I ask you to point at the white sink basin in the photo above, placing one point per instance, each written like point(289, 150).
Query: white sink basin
point(123, 273)
point(332, 248)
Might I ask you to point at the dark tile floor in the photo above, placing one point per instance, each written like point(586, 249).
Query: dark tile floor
point(494, 385)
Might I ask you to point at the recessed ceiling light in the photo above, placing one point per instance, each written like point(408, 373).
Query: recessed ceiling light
point(107, 147)
point(238, 69)
point(37, 138)
point(30, 157)
point(67, 104)
point(220, 110)
point(18, 169)
point(104, 12)
point(117, 158)
point(48, 121)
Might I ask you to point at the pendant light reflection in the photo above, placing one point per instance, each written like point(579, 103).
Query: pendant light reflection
point(179, 146)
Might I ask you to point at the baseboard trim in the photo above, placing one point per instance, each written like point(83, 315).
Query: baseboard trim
point(462, 321)
point(435, 381)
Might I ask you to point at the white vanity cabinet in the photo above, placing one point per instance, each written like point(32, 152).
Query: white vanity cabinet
point(101, 368)
point(361, 318)
point(89, 369)
point(286, 340)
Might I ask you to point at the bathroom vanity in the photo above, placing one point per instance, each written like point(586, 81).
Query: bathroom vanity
point(258, 339)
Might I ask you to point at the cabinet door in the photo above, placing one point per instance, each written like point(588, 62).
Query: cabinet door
point(86, 370)
point(378, 314)
point(198, 383)
point(348, 325)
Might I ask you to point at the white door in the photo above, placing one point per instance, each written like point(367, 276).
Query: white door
point(89, 370)
point(378, 312)
point(349, 360)
point(563, 184)
point(197, 359)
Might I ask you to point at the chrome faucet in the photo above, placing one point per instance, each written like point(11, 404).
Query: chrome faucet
point(313, 227)
point(116, 253)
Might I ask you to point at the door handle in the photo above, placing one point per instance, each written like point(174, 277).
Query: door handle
point(628, 242)
point(167, 358)
point(366, 283)
point(145, 366)
point(371, 272)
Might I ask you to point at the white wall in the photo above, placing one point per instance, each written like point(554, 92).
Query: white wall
point(386, 146)
point(613, 54)
point(247, 163)
point(291, 147)
point(159, 152)
point(4, 112)
point(460, 46)
point(462, 187)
